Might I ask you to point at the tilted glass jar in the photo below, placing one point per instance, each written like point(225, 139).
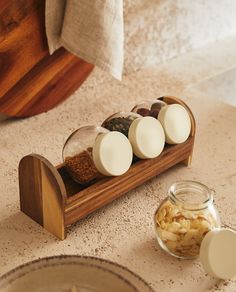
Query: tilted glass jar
point(92, 152)
point(149, 108)
point(120, 121)
point(184, 218)
point(145, 134)
point(77, 154)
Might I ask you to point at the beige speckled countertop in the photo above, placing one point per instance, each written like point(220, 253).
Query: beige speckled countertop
point(122, 231)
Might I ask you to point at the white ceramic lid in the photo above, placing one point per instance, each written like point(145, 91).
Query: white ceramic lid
point(112, 153)
point(218, 253)
point(147, 137)
point(176, 123)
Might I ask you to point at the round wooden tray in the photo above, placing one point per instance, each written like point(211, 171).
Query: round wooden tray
point(32, 81)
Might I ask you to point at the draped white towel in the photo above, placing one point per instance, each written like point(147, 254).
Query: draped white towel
point(91, 29)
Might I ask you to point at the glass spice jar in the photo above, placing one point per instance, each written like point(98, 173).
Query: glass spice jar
point(149, 108)
point(120, 122)
point(93, 152)
point(184, 218)
point(176, 122)
point(145, 134)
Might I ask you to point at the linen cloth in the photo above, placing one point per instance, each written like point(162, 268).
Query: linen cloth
point(91, 29)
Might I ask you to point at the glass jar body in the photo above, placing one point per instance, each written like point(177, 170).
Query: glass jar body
point(78, 154)
point(120, 122)
point(149, 108)
point(180, 224)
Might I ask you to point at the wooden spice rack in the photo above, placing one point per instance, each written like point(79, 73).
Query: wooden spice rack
point(50, 197)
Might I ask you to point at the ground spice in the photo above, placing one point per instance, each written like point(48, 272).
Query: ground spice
point(81, 167)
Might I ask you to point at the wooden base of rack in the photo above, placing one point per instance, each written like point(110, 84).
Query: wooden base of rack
point(50, 196)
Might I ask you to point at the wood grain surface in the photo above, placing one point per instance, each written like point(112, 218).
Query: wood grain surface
point(42, 193)
point(32, 81)
point(51, 81)
point(22, 39)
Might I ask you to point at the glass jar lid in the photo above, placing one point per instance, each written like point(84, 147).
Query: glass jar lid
point(112, 153)
point(176, 122)
point(218, 253)
point(147, 137)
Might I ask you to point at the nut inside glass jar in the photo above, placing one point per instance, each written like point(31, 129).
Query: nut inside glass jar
point(149, 108)
point(184, 218)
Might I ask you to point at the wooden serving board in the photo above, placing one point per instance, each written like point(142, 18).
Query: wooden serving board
point(53, 199)
point(32, 81)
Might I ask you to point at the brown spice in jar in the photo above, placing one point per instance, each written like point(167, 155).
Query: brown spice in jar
point(81, 167)
point(153, 111)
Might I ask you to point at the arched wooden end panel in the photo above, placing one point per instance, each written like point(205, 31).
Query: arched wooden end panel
point(42, 193)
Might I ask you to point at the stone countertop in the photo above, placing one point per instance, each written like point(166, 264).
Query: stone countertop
point(122, 231)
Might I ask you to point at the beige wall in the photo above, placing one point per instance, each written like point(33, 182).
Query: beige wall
point(156, 30)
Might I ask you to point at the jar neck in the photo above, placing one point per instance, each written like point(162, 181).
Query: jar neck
point(191, 195)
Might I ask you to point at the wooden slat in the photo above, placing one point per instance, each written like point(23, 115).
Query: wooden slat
point(103, 192)
point(51, 81)
point(13, 12)
point(32, 81)
point(60, 87)
point(22, 39)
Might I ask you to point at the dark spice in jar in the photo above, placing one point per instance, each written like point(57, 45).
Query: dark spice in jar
point(120, 124)
point(81, 167)
point(144, 112)
point(154, 110)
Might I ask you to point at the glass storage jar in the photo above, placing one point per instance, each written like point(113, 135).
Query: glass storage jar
point(149, 108)
point(92, 152)
point(120, 122)
point(184, 218)
point(145, 134)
